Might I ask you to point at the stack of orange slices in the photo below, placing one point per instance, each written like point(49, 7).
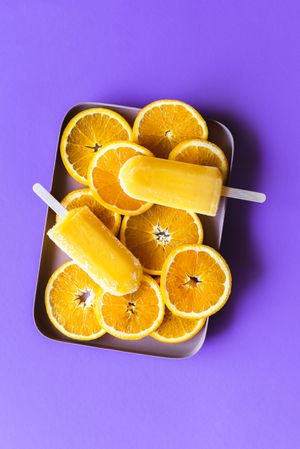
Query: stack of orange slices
point(185, 281)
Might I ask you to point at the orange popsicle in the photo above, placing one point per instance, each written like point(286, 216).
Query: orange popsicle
point(171, 183)
point(181, 185)
point(84, 238)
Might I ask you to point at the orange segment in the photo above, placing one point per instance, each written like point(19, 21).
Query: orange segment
point(161, 125)
point(133, 316)
point(88, 132)
point(195, 281)
point(152, 235)
point(175, 329)
point(103, 175)
point(201, 152)
point(84, 197)
point(69, 299)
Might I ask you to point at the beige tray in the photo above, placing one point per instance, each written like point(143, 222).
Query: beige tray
point(52, 257)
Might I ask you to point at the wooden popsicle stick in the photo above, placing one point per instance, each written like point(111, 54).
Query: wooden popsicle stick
point(246, 195)
point(49, 199)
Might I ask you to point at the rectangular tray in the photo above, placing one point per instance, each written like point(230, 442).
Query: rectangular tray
point(51, 257)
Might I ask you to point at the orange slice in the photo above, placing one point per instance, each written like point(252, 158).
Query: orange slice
point(103, 176)
point(133, 316)
point(85, 134)
point(195, 281)
point(69, 299)
point(201, 152)
point(163, 124)
point(175, 329)
point(152, 235)
point(84, 197)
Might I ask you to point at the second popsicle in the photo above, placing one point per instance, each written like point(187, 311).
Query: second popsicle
point(86, 240)
point(180, 185)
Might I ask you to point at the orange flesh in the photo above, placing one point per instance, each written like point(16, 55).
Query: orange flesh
point(72, 299)
point(175, 327)
point(198, 285)
point(163, 127)
point(201, 155)
point(131, 313)
point(89, 135)
point(106, 182)
point(152, 235)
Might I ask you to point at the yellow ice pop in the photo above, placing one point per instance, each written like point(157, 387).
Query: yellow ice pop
point(86, 240)
point(171, 183)
point(177, 184)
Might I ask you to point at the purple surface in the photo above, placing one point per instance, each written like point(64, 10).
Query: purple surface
point(236, 62)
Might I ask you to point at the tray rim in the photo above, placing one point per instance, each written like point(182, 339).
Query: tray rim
point(86, 105)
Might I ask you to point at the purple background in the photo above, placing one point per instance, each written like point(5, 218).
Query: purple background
point(238, 62)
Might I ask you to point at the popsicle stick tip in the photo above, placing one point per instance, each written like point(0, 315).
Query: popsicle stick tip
point(36, 187)
point(263, 197)
point(246, 195)
point(51, 202)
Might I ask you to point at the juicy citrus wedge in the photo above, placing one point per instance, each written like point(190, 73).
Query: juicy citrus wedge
point(175, 329)
point(85, 134)
point(84, 197)
point(161, 125)
point(133, 316)
point(69, 299)
point(201, 152)
point(152, 235)
point(103, 176)
point(195, 281)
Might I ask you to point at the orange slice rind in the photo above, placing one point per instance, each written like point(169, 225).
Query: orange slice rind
point(152, 235)
point(201, 152)
point(85, 134)
point(175, 329)
point(69, 299)
point(133, 316)
point(195, 281)
point(103, 176)
point(163, 124)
